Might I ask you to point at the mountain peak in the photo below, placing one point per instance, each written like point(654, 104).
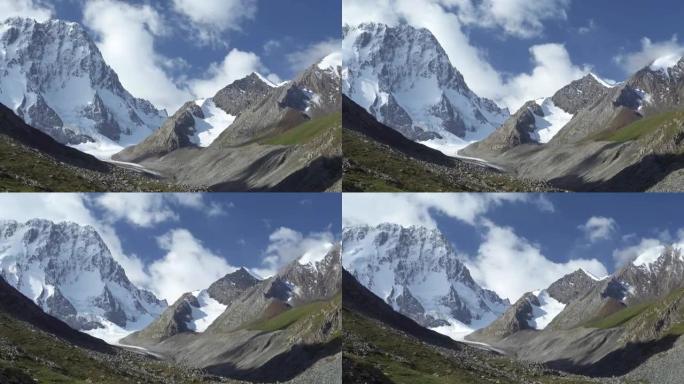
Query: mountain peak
point(416, 89)
point(666, 62)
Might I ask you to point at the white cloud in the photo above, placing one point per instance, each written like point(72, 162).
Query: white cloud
point(626, 255)
point(446, 20)
point(418, 209)
point(148, 209)
point(649, 52)
point(186, 267)
point(520, 18)
point(287, 245)
point(236, 65)
point(511, 265)
point(141, 209)
point(211, 17)
point(552, 70)
point(70, 207)
point(599, 228)
point(35, 9)
point(312, 54)
point(125, 36)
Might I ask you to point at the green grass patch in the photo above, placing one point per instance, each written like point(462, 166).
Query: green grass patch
point(306, 132)
point(620, 317)
point(643, 127)
point(313, 311)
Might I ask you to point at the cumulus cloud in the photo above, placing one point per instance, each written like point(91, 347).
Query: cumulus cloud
point(125, 34)
point(35, 9)
point(520, 18)
point(148, 209)
point(236, 65)
point(418, 209)
point(287, 245)
point(553, 69)
point(187, 266)
point(312, 54)
point(599, 228)
point(511, 265)
point(446, 19)
point(211, 17)
point(649, 52)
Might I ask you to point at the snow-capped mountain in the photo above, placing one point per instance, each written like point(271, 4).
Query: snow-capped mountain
point(417, 271)
point(69, 272)
point(55, 78)
point(404, 78)
point(661, 83)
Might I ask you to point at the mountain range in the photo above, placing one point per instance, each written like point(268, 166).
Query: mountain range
point(285, 328)
point(591, 135)
point(251, 135)
point(406, 280)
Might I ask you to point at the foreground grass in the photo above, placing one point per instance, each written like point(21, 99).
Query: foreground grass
point(46, 359)
point(380, 170)
point(306, 132)
point(390, 356)
point(643, 127)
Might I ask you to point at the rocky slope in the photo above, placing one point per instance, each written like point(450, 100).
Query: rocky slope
point(380, 159)
point(54, 77)
point(417, 272)
point(285, 138)
point(403, 77)
point(68, 271)
point(610, 327)
point(383, 346)
point(626, 137)
point(275, 329)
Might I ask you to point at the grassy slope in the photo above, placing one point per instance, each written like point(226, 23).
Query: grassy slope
point(400, 172)
point(285, 319)
point(306, 132)
point(646, 313)
point(643, 127)
point(24, 170)
point(402, 360)
point(376, 168)
point(49, 360)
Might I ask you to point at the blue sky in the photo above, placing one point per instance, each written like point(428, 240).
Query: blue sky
point(513, 51)
point(176, 243)
point(519, 243)
point(171, 51)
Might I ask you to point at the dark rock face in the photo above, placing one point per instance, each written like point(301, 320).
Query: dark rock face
point(517, 130)
point(515, 319)
point(241, 94)
point(174, 134)
point(571, 287)
point(664, 87)
point(229, 287)
point(173, 321)
point(579, 94)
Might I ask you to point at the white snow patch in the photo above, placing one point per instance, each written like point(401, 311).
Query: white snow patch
point(552, 122)
point(315, 255)
point(592, 276)
point(332, 61)
point(458, 331)
point(649, 256)
point(549, 308)
point(265, 80)
point(666, 62)
point(605, 82)
point(112, 333)
point(214, 123)
point(207, 312)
